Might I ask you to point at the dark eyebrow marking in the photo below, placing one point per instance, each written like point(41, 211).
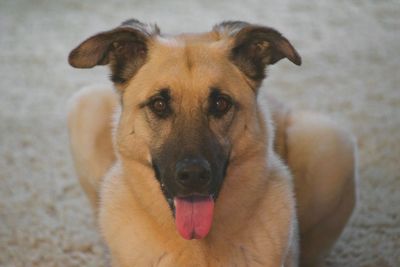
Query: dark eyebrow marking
point(165, 93)
point(214, 92)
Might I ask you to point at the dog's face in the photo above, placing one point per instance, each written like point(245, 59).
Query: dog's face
point(186, 100)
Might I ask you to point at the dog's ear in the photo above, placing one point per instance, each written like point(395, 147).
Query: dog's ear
point(254, 47)
point(123, 48)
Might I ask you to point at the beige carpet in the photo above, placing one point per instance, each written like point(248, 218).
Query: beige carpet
point(351, 70)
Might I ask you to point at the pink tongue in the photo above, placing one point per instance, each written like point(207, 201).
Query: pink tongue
point(193, 216)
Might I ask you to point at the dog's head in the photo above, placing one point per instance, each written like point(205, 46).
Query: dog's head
point(188, 104)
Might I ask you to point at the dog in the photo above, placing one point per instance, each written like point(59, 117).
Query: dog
point(195, 169)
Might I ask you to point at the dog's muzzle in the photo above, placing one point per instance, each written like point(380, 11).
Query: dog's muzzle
point(193, 175)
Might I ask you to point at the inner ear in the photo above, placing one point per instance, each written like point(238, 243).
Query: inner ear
point(254, 47)
point(96, 49)
point(124, 49)
point(125, 58)
point(282, 48)
point(265, 37)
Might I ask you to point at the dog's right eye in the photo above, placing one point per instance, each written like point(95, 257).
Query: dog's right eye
point(160, 107)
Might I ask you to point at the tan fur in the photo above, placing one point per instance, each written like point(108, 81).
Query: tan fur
point(255, 221)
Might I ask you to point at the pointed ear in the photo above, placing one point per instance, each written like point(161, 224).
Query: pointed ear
point(123, 48)
point(254, 47)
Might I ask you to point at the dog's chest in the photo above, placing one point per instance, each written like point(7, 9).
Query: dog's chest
point(238, 256)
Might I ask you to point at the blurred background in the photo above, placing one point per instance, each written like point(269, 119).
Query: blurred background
point(351, 71)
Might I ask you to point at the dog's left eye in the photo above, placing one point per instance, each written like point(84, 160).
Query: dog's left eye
point(220, 105)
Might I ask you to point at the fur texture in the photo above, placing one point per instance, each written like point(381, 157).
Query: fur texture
point(255, 219)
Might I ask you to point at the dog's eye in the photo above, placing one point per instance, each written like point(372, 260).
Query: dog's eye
point(221, 105)
point(159, 106)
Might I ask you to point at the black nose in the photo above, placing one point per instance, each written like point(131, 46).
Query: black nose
point(193, 173)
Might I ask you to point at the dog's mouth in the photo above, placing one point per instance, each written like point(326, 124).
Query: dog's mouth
point(192, 204)
point(194, 216)
point(193, 213)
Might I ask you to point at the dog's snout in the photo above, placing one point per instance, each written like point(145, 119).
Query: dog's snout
point(193, 173)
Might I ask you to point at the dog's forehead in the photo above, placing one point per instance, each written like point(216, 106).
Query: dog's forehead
point(206, 38)
point(194, 60)
point(189, 65)
point(189, 50)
